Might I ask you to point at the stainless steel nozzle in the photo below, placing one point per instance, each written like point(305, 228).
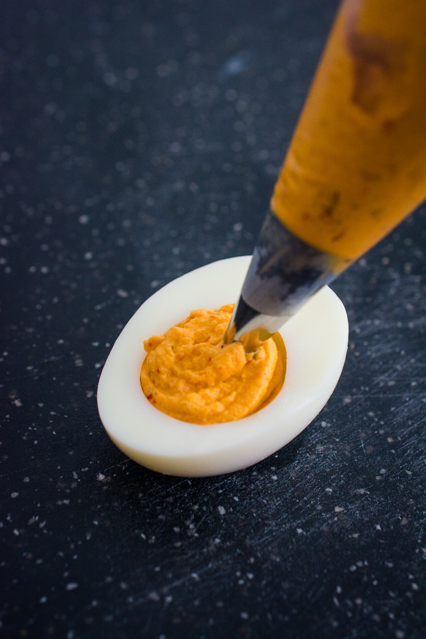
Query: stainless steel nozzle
point(284, 273)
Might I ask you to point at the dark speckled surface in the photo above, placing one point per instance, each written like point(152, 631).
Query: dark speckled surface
point(140, 140)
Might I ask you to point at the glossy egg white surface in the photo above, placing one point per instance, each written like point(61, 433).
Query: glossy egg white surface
point(316, 340)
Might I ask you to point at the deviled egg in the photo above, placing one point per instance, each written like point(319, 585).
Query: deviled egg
point(315, 340)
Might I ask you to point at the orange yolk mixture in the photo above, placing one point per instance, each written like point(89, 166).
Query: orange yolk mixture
point(191, 376)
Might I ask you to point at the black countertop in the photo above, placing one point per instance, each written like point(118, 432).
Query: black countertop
point(140, 140)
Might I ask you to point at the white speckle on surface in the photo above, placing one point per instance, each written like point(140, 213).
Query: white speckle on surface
point(14, 495)
point(154, 596)
point(71, 586)
point(110, 78)
point(244, 615)
point(221, 510)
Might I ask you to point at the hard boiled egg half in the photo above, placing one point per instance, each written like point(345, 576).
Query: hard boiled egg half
point(316, 341)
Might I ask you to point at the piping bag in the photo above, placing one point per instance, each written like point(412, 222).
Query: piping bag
point(355, 168)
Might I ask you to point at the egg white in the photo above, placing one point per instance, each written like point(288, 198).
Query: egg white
point(316, 340)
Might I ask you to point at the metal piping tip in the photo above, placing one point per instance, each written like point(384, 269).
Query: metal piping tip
point(250, 327)
point(284, 273)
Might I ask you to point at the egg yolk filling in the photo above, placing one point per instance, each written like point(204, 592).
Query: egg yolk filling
point(189, 374)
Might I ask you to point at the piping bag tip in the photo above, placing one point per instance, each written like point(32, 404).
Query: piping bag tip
point(284, 273)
